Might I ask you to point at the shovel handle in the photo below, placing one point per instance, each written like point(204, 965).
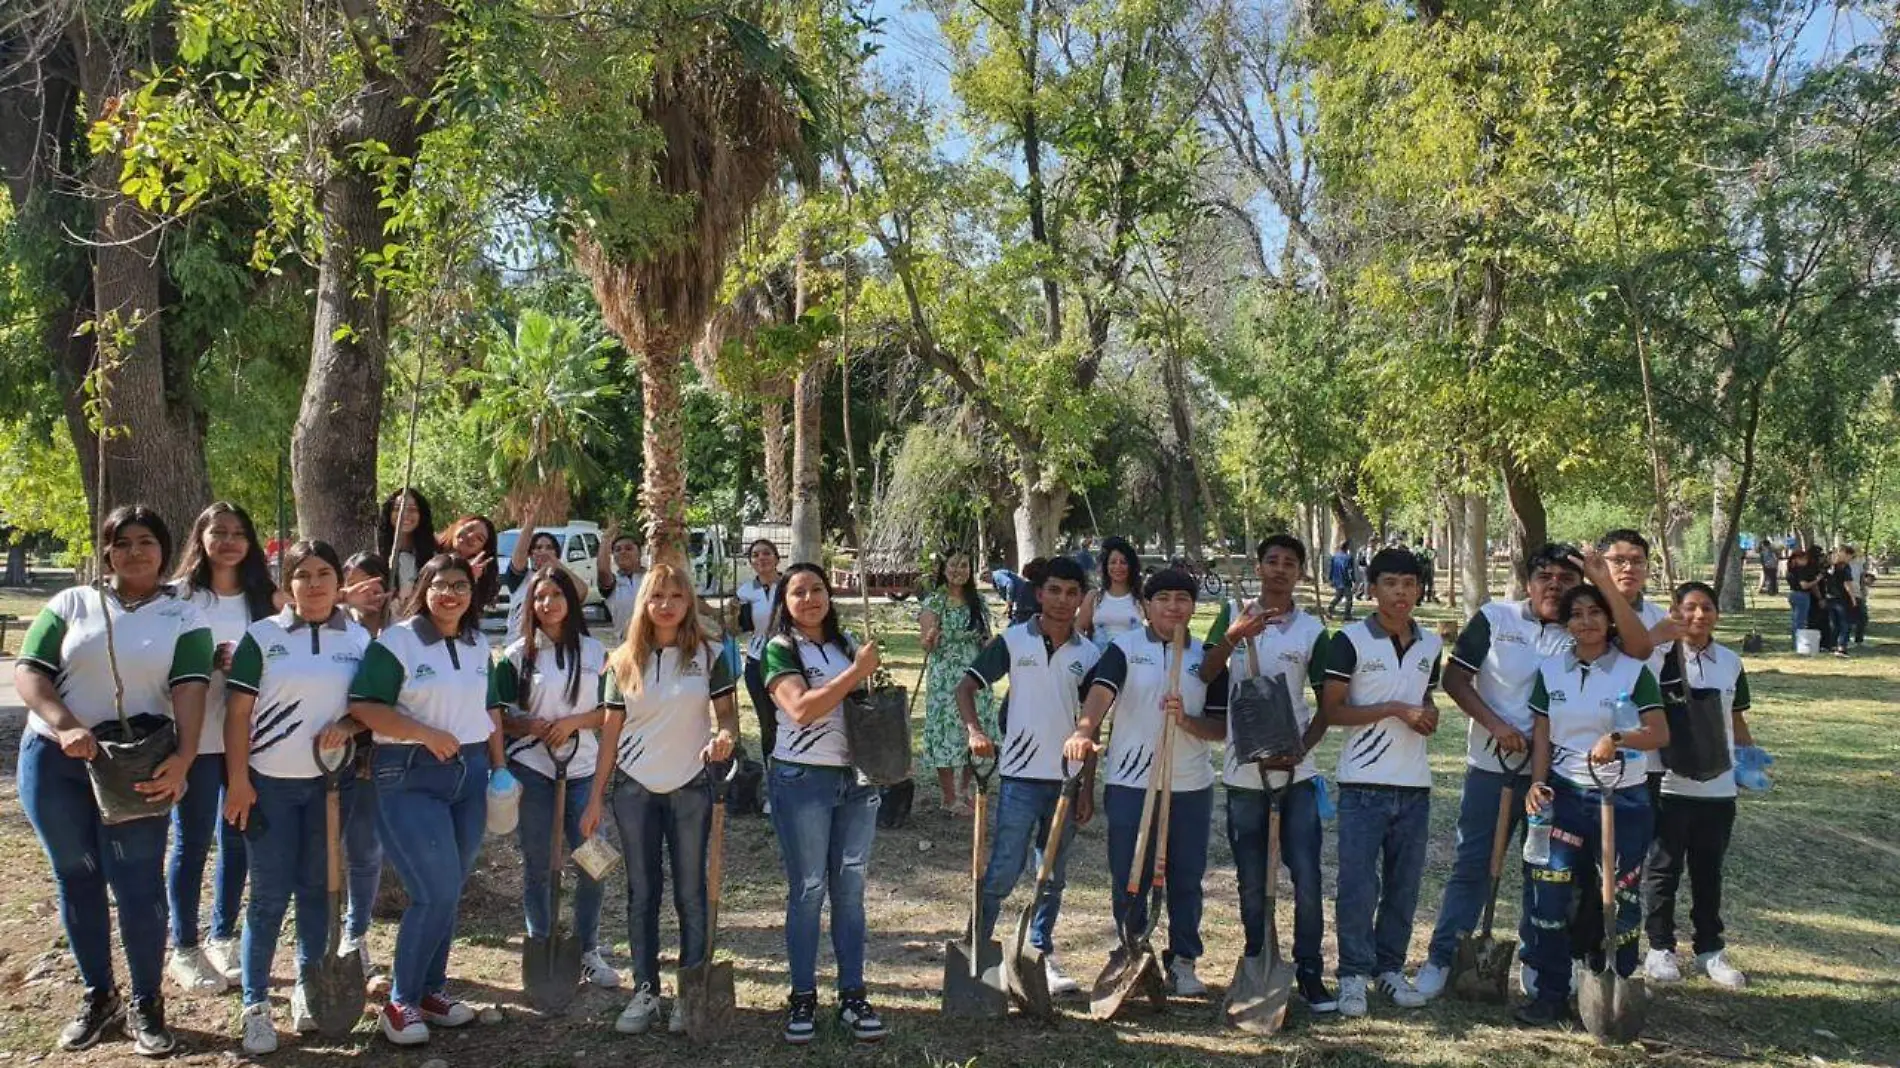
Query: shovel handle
point(1071, 785)
point(1141, 835)
point(1167, 759)
point(715, 874)
point(978, 815)
point(332, 844)
point(1607, 831)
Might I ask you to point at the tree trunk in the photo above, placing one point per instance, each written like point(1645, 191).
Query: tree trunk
point(1349, 520)
point(1732, 521)
point(663, 447)
point(808, 406)
point(1477, 558)
point(1729, 595)
point(778, 473)
point(1039, 512)
point(1530, 523)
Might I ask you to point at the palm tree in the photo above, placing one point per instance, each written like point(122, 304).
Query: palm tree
point(539, 403)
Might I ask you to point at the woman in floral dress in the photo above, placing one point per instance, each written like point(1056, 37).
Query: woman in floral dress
point(955, 626)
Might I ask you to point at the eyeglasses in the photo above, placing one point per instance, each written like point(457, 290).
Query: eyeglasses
point(451, 589)
point(1626, 563)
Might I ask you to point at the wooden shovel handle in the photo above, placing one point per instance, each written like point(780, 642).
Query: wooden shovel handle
point(715, 872)
point(1167, 758)
point(1141, 836)
point(1057, 824)
point(332, 844)
point(1501, 834)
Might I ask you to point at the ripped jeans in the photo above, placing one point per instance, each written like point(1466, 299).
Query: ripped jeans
point(826, 825)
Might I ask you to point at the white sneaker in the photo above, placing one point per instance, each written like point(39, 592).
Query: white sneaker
point(1527, 980)
point(1661, 966)
point(1352, 995)
point(1400, 989)
point(190, 970)
point(301, 1021)
point(1720, 972)
point(1182, 978)
point(1431, 980)
point(260, 1035)
point(640, 1013)
point(596, 970)
point(765, 807)
point(676, 1019)
point(227, 958)
point(1059, 984)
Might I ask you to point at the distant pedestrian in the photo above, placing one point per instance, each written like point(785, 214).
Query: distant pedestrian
point(1339, 573)
point(1770, 562)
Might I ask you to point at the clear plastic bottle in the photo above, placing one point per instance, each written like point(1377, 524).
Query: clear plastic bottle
point(1537, 837)
point(1628, 719)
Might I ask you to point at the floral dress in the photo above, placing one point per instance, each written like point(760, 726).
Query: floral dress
point(946, 744)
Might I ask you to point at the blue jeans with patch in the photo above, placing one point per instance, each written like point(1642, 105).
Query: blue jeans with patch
point(1024, 809)
point(1382, 836)
point(1190, 824)
point(1800, 603)
point(680, 823)
point(362, 854)
point(87, 858)
point(1247, 822)
point(1470, 882)
point(198, 820)
point(535, 833)
point(826, 825)
point(433, 814)
point(1576, 841)
point(290, 859)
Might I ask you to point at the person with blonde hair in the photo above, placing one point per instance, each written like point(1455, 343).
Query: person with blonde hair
point(655, 744)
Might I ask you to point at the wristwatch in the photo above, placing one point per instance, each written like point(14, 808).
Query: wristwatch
point(1616, 737)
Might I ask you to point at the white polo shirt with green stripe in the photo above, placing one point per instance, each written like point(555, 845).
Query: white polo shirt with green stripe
point(300, 672)
point(1370, 661)
point(547, 699)
point(1502, 646)
point(228, 615)
point(444, 683)
point(821, 742)
point(1294, 648)
point(668, 723)
point(1713, 667)
point(1045, 695)
point(159, 643)
point(1580, 699)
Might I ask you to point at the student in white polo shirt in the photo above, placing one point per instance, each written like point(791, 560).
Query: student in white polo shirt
point(1579, 749)
point(1625, 555)
point(547, 683)
point(1047, 662)
point(1493, 665)
point(1380, 674)
point(65, 677)
point(756, 598)
point(534, 550)
point(289, 690)
point(424, 689)
point(1132, 678)
point(1696, 818)
point(1292, 645)
point(617, 575)
point(670, 713)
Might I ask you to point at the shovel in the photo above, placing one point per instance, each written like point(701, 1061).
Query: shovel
point(705, 989)
point(551, 963)
point(333, 984)
point(1613, 1008)
point(1024, 966)
point(974, 986)
point(1263, 984)
point(1482, 969)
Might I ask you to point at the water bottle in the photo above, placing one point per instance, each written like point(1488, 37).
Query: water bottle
point(1325, 799)
point(1628, 719)
point(1537, 837)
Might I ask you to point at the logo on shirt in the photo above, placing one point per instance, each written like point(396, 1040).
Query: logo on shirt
point(424, 671)
point(1370, 666)
point(1026, 661)
point(276, 652)
point(1288, 656)
point(1141, 658)
point(1510, 638)
point(1558, 695)
point(691, 669)
point(346, 658)
point(1076, 668)
point(1424, 668)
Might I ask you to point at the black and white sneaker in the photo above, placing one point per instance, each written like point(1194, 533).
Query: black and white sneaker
point(145, 1022)
point(1318, 998)
point(98, 1010)
point(858, 1015)
point(801, 1017)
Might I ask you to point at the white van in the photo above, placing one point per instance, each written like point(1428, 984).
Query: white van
point(580, 547)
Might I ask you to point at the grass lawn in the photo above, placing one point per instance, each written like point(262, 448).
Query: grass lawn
point(1813, 911)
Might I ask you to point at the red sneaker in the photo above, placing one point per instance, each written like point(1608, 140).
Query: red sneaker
point(403, 1025)
point(441, 1012)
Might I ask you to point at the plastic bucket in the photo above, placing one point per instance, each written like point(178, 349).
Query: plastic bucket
point(1807, 642)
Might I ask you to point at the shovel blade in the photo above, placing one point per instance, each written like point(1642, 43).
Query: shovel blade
point(1257, 999)
point(1127, 971)
point(1024, 969)
point(707, 1000)
point(983, 996)
point(1482, 970)
point(333, 994)
point(1613, 1008)
point(551, 971)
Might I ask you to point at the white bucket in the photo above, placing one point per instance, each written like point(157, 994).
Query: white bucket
point(504, 802)
point(1807, 642)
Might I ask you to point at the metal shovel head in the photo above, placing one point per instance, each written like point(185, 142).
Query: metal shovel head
point(333, 993)
point(1257, 998)
point(1613, 1008)
point(707, 999)
point(1126, 972)
point(1024, 970)
point(1482, 969)
point(551, 971)
point(984, 995)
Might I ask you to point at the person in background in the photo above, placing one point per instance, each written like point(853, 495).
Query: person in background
point(1115, 609)
point(954, 625)
point(1339, 574)
point(472, 537)
point(224, 573)
point(1084, 557)
point(1843, 599)
point(1804, 578)
point(1428, 568)
point(535, 550)
point(416, 544)
point(1697, 818)
point(1770, 563)
point(757, 600)
point(159, 654)
point(617, 575)
point(1022, 595)
point(366, 594)
point(1864, 583)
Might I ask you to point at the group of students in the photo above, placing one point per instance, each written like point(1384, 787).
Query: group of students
point(1828, 593)
point(261, 683)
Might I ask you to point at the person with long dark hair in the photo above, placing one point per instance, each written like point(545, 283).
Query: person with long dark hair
point(289, 691)
point(535, 551)
point(223, 571)
point(472, 537)
point(424, 690)
point(1114, 609)
point(826, 820)
point(954, 625)
point(405, 552)
point(548, 685)
point(156, 649)
point(1804, 589)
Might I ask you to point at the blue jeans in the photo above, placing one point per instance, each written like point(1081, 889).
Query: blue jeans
point(289, 859)
point(681, 824)
point(1470, 881)
point(826, 825)
point(198, 817)
point(87, 857)
point(1190, 822)
point(1799, 603)
point(1841, 614)
point(535, 834)
point(362, 854)
point(1247, 821)
point(432, 814)
point(1382, 837)
point(1024, 808)
point(1576, 842)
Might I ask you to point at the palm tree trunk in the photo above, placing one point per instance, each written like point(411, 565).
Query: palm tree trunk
point(663, 489)
point(778, 474)
point(808, 407)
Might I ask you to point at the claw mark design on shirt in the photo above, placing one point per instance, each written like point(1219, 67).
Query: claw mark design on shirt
point(273, 725)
